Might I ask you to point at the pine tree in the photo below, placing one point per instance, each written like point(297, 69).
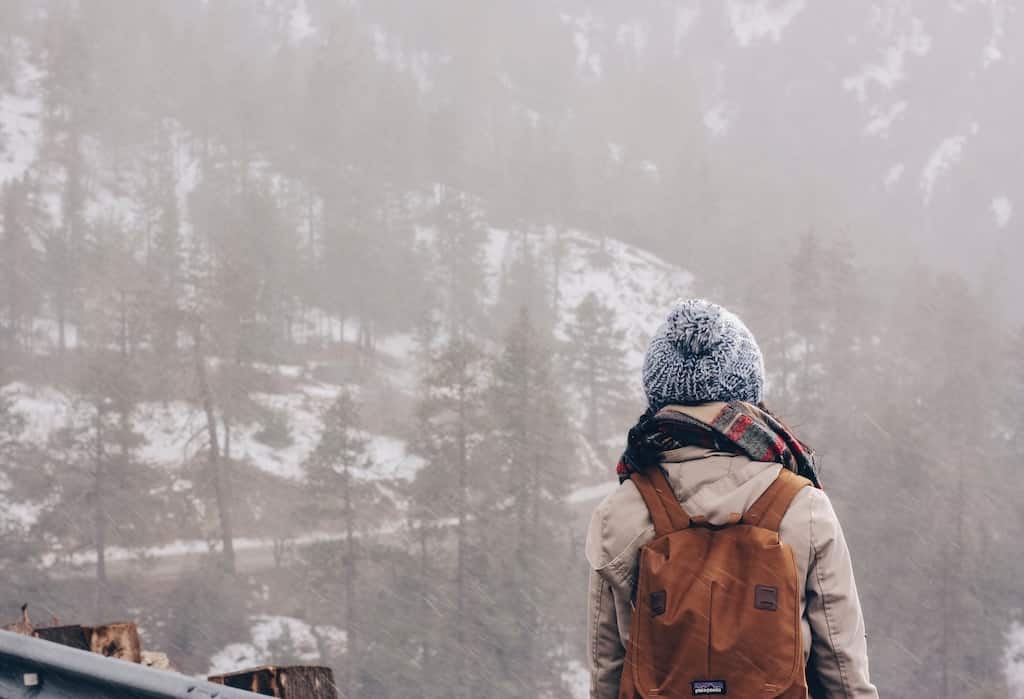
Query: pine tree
point(532, 453)
point(102, 494)
point(340, 492)
point(446, 489)
point(66, 118)
point(459, 269)
point(164, 258)
point(218, 467)
point(20, 485)
point(524, 283)
point(595, 362)
point(19, 263)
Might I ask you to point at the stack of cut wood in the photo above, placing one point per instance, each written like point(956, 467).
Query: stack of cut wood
point(293, 682)
point(121, 640)
point(115, 640)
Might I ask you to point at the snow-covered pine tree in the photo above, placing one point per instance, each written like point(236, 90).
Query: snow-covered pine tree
point(594, 358)
point(20, 482)
point(340, 494)
point(444, 495)
point(101, 493)
point(164, 250)
point(67, 114)
point(532, 458)
point(459, 264)
point(524, 282)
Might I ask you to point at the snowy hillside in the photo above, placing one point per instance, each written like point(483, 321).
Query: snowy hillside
point(637, 285)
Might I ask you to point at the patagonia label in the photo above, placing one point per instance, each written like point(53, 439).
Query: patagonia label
point(766, 598)
point(657, 603)
point(705, 688)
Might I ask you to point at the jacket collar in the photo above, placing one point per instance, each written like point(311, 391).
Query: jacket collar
point(691, 453)
point(705, 412)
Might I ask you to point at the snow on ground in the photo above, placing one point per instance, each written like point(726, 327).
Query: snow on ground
point(17, 514)
point(992, 53)
point(588, 60)
point(882, 120)
point(20, 109)
point(1002, 210)
point(46, 334)
point(390, 459)
point(947, 154)
point(638, 285)
point(301, 24)
point(302, 413)
point(276, 640)
point(752, 20)
point(578, 679)
point(893, 175)
point(398, 345)
point(1014, 661)
point(44, 408)
point(893, 67)
point(176, 430)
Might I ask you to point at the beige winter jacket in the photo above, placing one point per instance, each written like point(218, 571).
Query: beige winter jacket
point(717, 484)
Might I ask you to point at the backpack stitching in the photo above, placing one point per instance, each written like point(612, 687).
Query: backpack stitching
point(828, 621)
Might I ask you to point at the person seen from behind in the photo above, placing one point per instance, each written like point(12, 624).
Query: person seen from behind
point(718, 566)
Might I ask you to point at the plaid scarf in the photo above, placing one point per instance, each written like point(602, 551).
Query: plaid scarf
point(739, 428)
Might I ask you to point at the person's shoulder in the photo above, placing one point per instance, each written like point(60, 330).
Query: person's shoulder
point(811, 510)
point(618, 522)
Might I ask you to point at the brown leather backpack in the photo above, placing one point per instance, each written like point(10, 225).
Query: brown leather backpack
point(717, 609)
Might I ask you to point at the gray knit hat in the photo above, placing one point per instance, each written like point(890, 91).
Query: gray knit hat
point(702, 353)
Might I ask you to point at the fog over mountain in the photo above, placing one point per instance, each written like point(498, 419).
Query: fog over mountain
point(891, 123)
point(321, 322)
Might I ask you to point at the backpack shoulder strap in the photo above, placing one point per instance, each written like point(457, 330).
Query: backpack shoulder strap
point(769, 509)
point(666, 512)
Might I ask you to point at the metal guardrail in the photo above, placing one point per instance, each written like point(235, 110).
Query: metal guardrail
point(31, 668)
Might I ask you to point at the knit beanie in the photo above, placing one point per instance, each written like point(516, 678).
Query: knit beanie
point(702, 353)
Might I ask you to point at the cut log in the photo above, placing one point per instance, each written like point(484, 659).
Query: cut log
point(74, 636)
point(118, 640)
point(292, 682)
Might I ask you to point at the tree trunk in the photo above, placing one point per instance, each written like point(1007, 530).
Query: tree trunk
point(61, 313)
point(425, 590)
point(123, 329)
point(72, 203)
point(220, 487)
point(556, 284)
point(460, 567)
point(351, 626)
point(100, 516)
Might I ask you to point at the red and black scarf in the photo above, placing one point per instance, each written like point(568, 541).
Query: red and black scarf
point(738, 427)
